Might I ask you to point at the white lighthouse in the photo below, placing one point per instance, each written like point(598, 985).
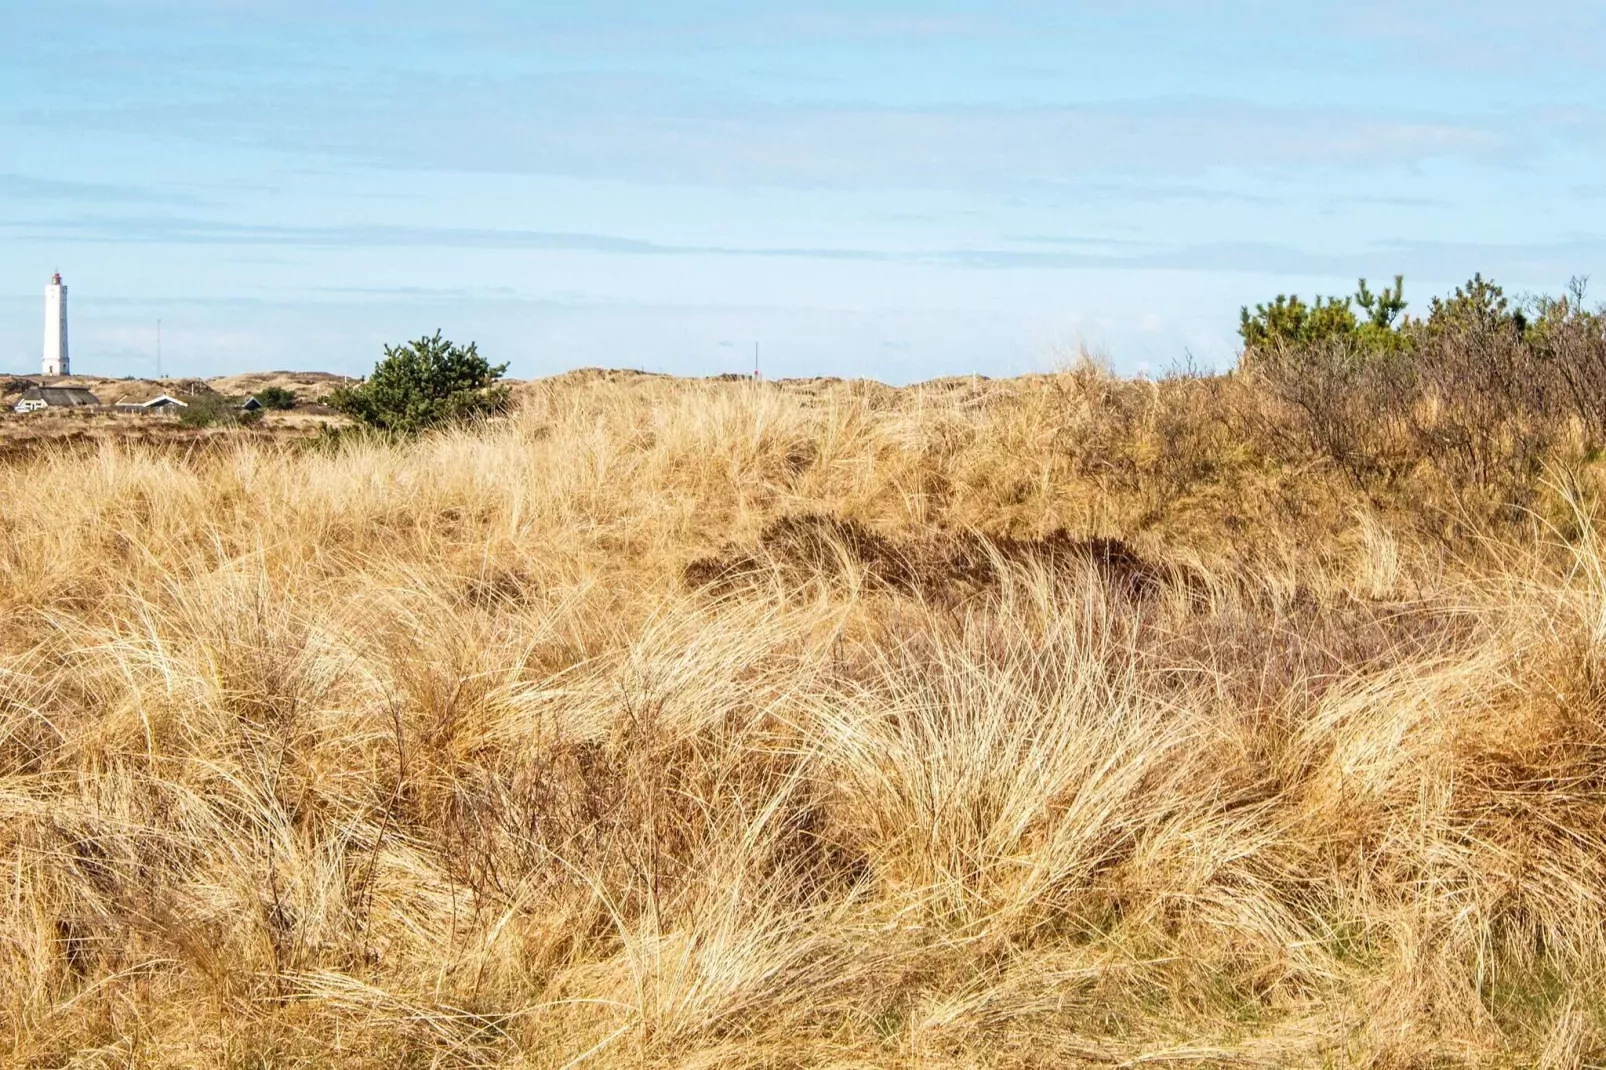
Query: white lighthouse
point(55, 362)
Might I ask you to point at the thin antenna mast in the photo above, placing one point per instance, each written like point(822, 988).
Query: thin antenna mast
point(756, 376)
point(158, 349)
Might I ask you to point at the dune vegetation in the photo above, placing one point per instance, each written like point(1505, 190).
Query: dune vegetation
point(1060, 721)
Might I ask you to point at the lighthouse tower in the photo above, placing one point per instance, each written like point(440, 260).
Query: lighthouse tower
point(55, 362)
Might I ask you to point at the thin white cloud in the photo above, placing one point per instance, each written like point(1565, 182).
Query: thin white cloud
point(36, 189)
point(675, 131)
point(1423, 259)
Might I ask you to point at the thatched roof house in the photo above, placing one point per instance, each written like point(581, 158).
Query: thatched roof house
point(55, 397)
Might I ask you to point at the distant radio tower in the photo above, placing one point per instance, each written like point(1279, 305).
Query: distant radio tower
point(158, 349)
point(56, 361)
point(756, 375)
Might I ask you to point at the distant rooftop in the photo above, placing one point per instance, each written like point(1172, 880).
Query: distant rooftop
point(60, 396)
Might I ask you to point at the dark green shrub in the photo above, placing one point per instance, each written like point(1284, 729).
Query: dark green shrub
point(424, 384)
point(204, 410)
point(1289, 321)
point(1287, 324)
point(1383, 308)
point(213, 410)
point(275, 397)
point(1480, 306)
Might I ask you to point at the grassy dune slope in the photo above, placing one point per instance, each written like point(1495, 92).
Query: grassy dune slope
point(677, 724)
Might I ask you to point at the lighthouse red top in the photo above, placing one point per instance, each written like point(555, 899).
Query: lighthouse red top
point(57, 279)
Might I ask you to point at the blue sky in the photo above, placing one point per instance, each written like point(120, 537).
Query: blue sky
point(891, 189)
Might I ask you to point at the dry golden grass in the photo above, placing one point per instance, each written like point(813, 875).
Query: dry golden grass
point(307, 386)
point(28, 432)
point(429, 755)
point(26, 436)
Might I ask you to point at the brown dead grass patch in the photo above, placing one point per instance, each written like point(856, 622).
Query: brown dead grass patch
point(799, 548)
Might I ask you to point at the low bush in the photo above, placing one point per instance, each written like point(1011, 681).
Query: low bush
point(211, 410)
point(275, 397)
point(1288, 322)
point(1483, 389)
point(425, 384)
